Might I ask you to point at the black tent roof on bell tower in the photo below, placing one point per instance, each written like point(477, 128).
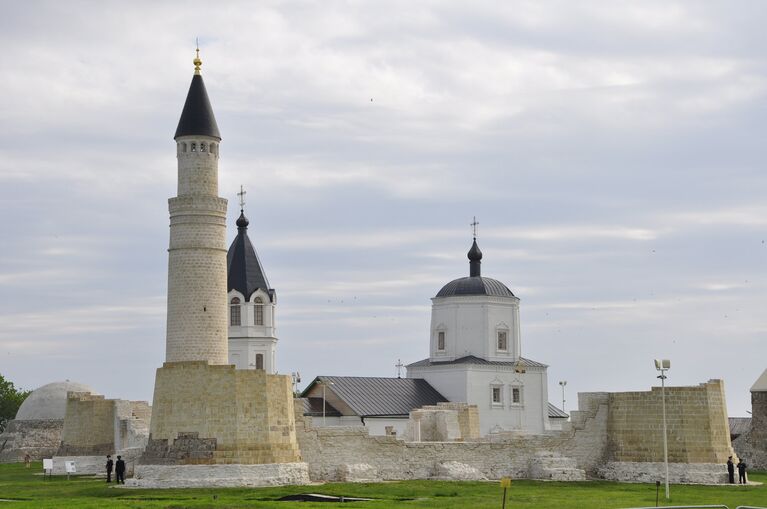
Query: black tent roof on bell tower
point(197, 117)
point(245, 273)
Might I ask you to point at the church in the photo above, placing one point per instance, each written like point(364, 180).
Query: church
point(475, 355)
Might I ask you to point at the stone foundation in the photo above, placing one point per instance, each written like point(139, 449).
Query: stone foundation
point(209, 476)
point(679, 473)
point(38, 438)
point(213, 414)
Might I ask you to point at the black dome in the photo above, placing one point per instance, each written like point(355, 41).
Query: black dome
point(475, 286)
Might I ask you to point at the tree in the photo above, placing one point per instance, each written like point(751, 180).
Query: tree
point(10, 401)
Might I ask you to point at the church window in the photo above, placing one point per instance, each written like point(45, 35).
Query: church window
point(441, 340)
point(495, 394)
point(503, 343)
point(516, 395)
point(194, 147)
point(202, 147)
point(259, 361)
point(259, 316)
point(234, 312)
point(183, 147)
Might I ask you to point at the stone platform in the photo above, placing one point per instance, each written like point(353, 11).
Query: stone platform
point(209, 476)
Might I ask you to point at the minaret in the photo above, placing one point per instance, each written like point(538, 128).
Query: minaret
point(197, 307)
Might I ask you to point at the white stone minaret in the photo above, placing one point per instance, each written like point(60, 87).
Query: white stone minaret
point(197, 300)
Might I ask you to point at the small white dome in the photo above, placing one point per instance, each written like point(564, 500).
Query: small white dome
point(49, 401)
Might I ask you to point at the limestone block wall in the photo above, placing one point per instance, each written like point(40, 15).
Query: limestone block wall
point(40, 438)
point(698, 431)
point(94, 425)
point(443, 422)
point(215, 414)
point(89, 425)
point(330, 450)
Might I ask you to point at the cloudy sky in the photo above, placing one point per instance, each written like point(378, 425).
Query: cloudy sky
point(612, 152)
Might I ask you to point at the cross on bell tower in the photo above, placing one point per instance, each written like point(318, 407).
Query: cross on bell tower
point(474, 225)
point(241, 195)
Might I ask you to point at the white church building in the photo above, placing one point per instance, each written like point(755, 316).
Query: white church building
point(475, 354)
point(474, 357)
point(252, 327)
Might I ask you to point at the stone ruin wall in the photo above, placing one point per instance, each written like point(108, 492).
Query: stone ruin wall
point(38, 438)
point(89, 425)
point(214, 414)
point(605, 437)
point(332, 452)
point(752, 446)
point(696, 416)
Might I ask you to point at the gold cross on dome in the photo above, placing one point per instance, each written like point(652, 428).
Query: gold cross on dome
point(242, 194)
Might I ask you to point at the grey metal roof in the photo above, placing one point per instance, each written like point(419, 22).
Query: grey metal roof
point(471, 359)
point(197, 116)
point(244, 271)
point(739, 425)
point(556, 413)
point(313, 407)
point(476, 285)
point(371, 396)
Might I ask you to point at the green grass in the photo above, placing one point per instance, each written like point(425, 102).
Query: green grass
point(29, 490)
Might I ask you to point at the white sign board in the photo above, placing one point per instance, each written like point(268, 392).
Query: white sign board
point(70, 467)
point(47, 463)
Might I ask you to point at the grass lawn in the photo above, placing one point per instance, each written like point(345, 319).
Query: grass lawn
point(29, 490)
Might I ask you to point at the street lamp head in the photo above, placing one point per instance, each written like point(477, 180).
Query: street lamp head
point(662, 364)
point(563, 383)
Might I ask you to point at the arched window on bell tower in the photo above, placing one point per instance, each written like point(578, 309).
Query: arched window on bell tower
point(235, 316)
point(259, 311)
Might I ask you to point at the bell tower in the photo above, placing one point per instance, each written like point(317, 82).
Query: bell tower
point(197, 304)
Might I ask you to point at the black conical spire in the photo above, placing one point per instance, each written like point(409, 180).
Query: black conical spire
point(244, 271)
point(197, 117)
point(475, 260)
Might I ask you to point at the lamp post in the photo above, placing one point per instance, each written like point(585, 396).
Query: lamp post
point(663, 366)
point(562, 383)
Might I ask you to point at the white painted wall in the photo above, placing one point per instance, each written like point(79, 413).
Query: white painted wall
point(471, 324)
point(248, 340)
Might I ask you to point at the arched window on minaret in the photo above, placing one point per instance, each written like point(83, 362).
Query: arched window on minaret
point(194, 147)
point(202, 147)
point(259, 315)
point(234, 312)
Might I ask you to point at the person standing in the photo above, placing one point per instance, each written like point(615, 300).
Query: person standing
point(110, 463)
point(742, 472)
point(120, 470)
point(730, 470)
point(27, 460)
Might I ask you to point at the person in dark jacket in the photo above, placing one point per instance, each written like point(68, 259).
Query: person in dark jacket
point(742, 472)
point(120, 470)
point(730, 470)
point(110, 463)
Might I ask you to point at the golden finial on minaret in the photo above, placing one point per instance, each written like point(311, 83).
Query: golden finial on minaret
point(197, 62)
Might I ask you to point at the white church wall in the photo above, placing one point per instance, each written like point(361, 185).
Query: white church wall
point(450, 380)
point(473, 384)
point(471, 325)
